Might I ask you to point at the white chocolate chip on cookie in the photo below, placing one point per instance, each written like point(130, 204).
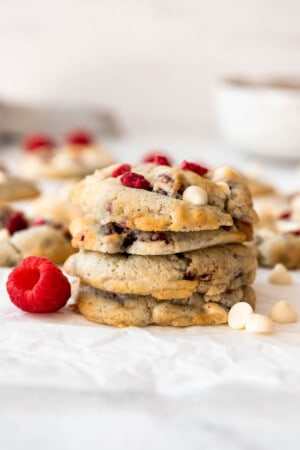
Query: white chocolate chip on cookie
point(224, 186)
point(195, 195)
point(283, 312)
point(280, 275)
point(239, 314)
point(221, 173)
point(258, 323)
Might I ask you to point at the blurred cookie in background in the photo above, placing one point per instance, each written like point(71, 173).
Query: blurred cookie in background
point(76, 157)
point(13, 188)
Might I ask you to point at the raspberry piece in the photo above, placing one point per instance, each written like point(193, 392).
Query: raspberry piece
point(193, 167)
point(79, 137)
point(123, 168)
point(38, 221)
point(285, 216)
point(156, 158)
point(135, 180)
point(37, 142)
point(295, 232)
point(16, 222)
point(161, 160)
point(37, 285)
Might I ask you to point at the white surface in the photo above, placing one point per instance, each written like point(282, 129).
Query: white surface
point(68, 383)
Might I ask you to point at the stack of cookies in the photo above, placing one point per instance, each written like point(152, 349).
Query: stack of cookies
point(162, 245)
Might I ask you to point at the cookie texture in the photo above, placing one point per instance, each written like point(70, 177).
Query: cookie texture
point(161, 208)
point(112, 238)
point(123, 311)
point(209, 271)
point(13, 188)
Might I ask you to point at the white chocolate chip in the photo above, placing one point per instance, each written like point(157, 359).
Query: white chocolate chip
point(221, 173)
point(195, 195)
point(4, 235)
point(224, 187)
point(239, 314)
point(280, 275)
point(258, 323)
point(283, 312)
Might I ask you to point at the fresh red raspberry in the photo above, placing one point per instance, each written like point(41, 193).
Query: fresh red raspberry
point(285, 215)
point(16, 222)
point(193, 167)
point(37, 142)
point(79, 137)
point(135, 180)
point(123, 168)
point(37, 285)
point(156, 158)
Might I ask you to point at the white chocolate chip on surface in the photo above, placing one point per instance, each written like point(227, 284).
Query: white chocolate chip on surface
point(195, 195)
point(283, 312)
point(224, 186)
point(280, 275)
point(258, 323)
point(239, 314)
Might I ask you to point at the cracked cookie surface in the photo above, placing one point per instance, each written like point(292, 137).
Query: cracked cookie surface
point(107, 308)
point(209, 271)
point(161, 207)
point(111, 238)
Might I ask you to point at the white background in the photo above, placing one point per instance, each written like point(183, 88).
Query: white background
point(154, 61)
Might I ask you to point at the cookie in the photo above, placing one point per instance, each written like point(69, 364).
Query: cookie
point(122, 311)
point(277, 236)
point(68, 161)
point(209, 271)
point(111, 238)
point(161, 207)
point(279, 248)
point(9, 255)
point(43, 240)
point(13, 188)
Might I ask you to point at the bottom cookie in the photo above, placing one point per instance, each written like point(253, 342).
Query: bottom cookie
point(140, 311)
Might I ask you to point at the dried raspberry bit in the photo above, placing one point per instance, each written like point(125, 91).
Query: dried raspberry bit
point(189, 275)
point(37, 142)
point(79, 137)
point(37, 285)
point(120, 170)
point(16, 222)
point(157, 158)
point(285, 215)
point(135, 180)
point(295, 232)
point(38, 222)
point(193, 167)
point(160, 160)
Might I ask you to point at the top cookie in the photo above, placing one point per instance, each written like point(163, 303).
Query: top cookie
point(154, 198)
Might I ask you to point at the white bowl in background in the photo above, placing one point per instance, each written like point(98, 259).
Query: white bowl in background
point(261, 116)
